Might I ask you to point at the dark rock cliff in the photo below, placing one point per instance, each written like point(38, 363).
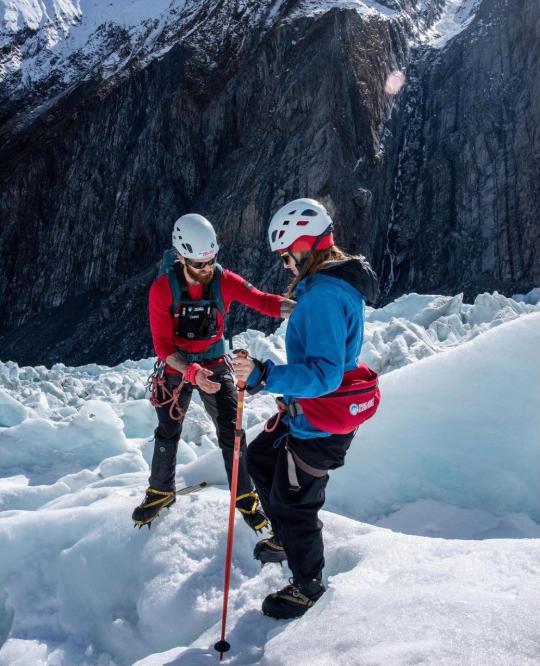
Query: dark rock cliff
point(439, 187)
point(462, 207)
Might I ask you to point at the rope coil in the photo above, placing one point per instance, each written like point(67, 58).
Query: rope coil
point(161, 395)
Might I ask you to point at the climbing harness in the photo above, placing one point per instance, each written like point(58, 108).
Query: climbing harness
point(161, 395)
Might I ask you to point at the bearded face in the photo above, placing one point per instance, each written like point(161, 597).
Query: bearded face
point(203, 275)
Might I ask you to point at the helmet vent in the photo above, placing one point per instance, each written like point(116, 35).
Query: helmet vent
point(292, 212)
point(281, 234)
point(285, 222)
point(309, 212)
point(302, 223)
point(187, 247)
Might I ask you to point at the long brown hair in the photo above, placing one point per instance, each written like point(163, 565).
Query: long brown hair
point(314, 263)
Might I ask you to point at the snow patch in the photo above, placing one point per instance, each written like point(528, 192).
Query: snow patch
point(363, 7)
point(460, 428)
point(445, 472)
point(11, 411)
point(455, 17)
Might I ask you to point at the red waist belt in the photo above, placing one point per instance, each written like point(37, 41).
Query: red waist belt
point(342, 411)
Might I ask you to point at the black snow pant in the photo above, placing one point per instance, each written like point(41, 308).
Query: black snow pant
point(221, 407)
point(291, 496)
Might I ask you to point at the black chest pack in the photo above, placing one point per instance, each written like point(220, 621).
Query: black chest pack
point(196, 320)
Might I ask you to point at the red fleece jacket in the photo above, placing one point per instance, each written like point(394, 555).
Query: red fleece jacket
point(233, 288)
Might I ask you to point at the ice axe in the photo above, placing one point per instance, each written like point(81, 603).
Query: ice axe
point(222, 645)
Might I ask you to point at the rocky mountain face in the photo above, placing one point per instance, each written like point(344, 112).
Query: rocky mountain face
point(463, 193)
point(230, 108)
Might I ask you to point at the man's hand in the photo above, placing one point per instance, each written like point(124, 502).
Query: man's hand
point(242, 367)
point(195, 374)
point(202, 381)
point(198, 376)
point(287, 306)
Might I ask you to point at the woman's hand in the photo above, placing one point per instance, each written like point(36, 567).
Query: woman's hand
point(243, 367)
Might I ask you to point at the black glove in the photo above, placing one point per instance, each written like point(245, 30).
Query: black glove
point(261, 381)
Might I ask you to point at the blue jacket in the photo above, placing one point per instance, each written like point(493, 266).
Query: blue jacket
point(324, 337)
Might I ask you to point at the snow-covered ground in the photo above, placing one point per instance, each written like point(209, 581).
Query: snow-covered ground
point(431, 528)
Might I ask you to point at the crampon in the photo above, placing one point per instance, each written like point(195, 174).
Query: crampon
point(155, 500)
point(248, 505)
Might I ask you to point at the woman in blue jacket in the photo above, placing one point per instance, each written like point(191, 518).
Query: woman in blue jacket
point(290, 459)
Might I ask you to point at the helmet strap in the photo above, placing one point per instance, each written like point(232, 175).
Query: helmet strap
point(329, 229)
point(300, 264)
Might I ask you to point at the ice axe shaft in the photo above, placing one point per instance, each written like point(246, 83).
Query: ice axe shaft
point(192, 489)
point(222, 645)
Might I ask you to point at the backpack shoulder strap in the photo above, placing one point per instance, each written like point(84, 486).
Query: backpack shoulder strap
point(216, 290)
point(178, 285)
point(218, 298)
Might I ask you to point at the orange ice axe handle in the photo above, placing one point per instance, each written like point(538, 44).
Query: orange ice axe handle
point(222, 645)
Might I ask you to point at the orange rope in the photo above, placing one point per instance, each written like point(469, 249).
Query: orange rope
point(276, 418)
point(161, 396)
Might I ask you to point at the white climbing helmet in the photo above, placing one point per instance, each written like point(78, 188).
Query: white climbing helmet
point(301, 217)
point(194, 237)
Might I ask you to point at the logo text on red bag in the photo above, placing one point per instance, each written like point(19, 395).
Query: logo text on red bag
point(355, 408)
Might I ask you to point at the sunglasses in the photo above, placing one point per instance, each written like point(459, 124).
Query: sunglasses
point(199, 265)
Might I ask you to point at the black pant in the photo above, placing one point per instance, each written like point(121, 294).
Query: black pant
point(221, 407)
point(293, 509)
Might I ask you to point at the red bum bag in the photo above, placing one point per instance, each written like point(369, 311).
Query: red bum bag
point(343, 410)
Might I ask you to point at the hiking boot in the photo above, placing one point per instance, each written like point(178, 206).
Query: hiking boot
point(153, 502)
point(269, 550)
point(248, 505)
point(293, 600)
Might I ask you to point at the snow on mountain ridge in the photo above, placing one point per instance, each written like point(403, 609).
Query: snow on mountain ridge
point(365, 7)
point(455, 17)
point(47, 46)
point(45, 38)
point(34, 14)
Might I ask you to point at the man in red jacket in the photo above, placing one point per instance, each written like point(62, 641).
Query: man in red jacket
point(187, 307)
